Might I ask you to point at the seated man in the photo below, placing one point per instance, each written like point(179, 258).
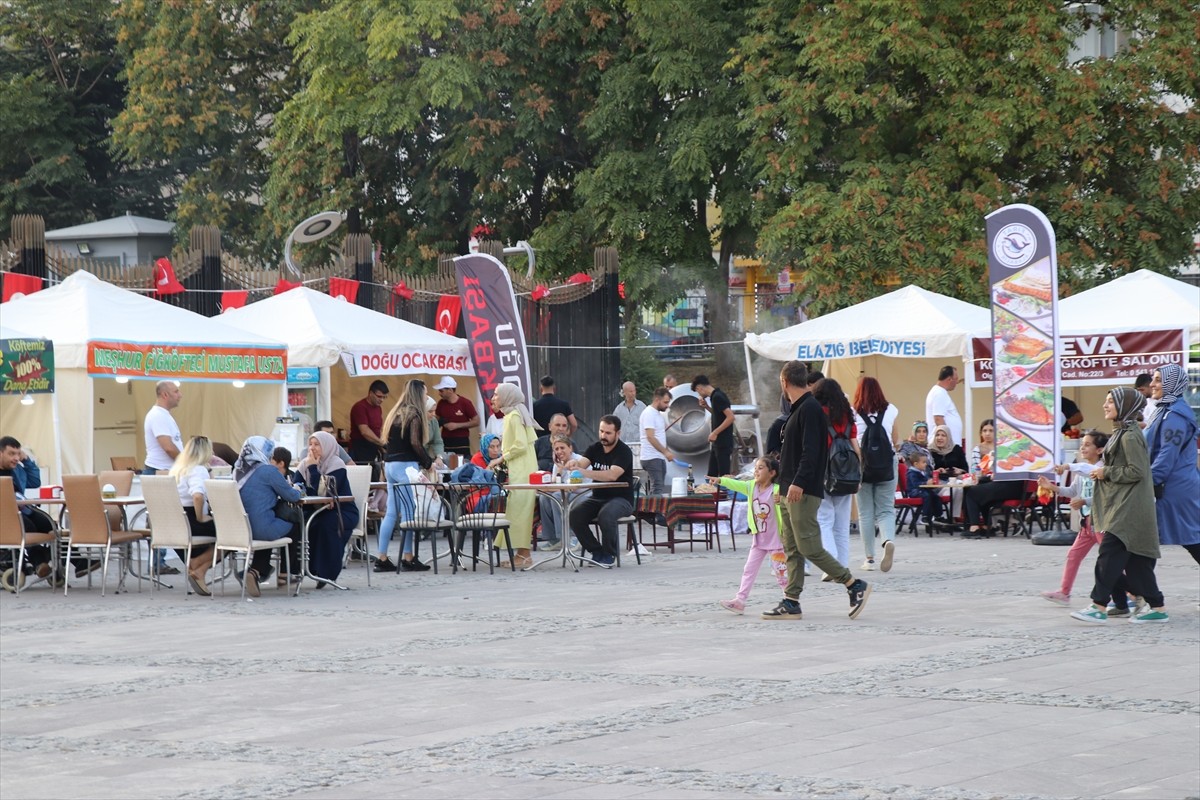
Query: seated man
point(542, 447)
point(610, 460)
point(16, 464)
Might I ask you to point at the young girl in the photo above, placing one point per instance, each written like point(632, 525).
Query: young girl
point(1080, 491)
point(763, 515)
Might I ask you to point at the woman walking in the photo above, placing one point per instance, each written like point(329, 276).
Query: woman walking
point(875, 419)
point(406, 431)
point(834, 514)
point(516, 445)
point(1171, 437)
point(1123, 513)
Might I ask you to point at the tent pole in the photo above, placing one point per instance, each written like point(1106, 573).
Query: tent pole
point(753, 400)
point(968, 365)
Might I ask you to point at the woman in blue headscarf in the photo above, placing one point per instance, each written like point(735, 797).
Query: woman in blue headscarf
point(266, 496)
point(1171, 438)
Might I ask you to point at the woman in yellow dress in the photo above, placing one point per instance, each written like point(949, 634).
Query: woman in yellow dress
point(517, 449)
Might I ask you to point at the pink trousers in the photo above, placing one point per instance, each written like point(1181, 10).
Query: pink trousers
point(754, 563)
point(1084, 542)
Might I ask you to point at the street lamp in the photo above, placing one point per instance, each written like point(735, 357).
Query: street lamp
point(316, 227)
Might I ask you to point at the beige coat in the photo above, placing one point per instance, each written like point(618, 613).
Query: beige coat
point(1124, 499)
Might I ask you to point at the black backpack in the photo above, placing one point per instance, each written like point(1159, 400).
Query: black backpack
point(843, 474)
point(879, 460)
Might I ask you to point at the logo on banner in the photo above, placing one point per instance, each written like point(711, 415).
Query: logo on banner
point(1015, 245)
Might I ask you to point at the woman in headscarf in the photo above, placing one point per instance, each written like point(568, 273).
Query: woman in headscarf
point(516, 446)
point(1123, 515)
point(489, 451)
point(266, 495)
point(917, 442)
point(1171, 438)
point(406, 431)
point(329, 531)
point(948, 456)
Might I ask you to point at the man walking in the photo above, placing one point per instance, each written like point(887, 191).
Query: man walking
point(721, 438)
point(802, 465)
point(366, 425)
point(629, 411)
point(653, 428)
point(611, 460)
point(456, 415)
point(940, 408)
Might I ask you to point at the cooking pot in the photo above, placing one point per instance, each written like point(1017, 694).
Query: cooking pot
point(687, 426)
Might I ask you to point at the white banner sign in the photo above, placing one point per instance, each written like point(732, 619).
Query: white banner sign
point(407, 360)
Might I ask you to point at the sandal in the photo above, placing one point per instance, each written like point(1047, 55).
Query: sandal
point(522, 562)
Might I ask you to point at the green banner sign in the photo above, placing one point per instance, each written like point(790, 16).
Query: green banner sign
point(26, 366)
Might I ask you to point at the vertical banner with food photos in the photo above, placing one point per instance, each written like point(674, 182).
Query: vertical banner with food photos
point(1023, 275)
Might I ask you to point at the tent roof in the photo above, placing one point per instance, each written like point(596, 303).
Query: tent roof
point(1139, 301)
point(909, 322)
point(117, 227)
point(84, 308)
point(319, 328)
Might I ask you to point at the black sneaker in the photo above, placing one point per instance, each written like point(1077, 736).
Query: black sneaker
point(859, 591)
point(385, 565)
point(413, 566)
point(787, 609)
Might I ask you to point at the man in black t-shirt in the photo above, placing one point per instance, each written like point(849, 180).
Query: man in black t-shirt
point(609, 459)
point(548, 405)
point(721, 438)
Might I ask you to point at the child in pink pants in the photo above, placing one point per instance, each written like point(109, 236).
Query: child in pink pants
point(1080, 491)
point(764, 521)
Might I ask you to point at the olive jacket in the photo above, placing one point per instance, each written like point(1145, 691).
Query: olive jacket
point(1124, 497)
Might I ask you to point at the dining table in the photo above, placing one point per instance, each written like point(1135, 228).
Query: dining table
point(320, 505)
point(676, 509)
point(565, 495)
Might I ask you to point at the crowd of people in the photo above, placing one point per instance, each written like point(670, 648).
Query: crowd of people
point(1130, 491)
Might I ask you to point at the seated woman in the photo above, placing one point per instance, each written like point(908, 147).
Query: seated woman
point(986, 446)
point(551, 511)
point(267, 497)
point(949, 460)
point(918, 442)
point(979, 500)
point(489, 452)
point(325, 476)
point(190, 471)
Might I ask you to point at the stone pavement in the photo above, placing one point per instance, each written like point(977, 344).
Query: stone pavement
point(956, 682)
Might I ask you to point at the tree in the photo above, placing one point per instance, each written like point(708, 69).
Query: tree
point(205, 83)
point(58, 95)
point(893, 128)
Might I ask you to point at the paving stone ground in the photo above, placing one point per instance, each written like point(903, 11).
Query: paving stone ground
point(957, 681)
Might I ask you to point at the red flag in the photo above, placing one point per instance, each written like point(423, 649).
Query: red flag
point(165, 281)
point(343, 289)
point(448, 311)
point(17, 285)
point(579, 277)
point(399, 290)
point(539, 292)
point(285, 286)
point(232, 300)
point(621, 290)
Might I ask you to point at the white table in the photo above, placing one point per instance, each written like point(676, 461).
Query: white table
point(566, 495)
point(322, 504)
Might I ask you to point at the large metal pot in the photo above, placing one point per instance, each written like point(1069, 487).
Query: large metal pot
point(687, 426)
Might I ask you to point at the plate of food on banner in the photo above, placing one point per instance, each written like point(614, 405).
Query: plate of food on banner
point(1027, 407)
point(1038, 375)
point(1016, 451)
point(1028, 292)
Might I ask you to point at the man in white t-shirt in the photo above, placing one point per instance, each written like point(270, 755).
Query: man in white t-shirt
point(652, 429)
point(163, 439)
point(940, 408)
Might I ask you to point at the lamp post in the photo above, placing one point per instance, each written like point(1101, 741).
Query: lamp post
point(316, 227)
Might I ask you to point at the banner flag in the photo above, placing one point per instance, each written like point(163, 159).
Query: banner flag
point(448, 312)
point(493, 326)
point(1023, 276)
point(17, 285)
point(343, 289)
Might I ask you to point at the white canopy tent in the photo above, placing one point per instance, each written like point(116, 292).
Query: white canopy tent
point(901, 338)
point(32, 424)
point(323, 331)
point(84, 309)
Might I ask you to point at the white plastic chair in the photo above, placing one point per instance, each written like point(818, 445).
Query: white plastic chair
point(233, 529)
point(359, 476)
point(169, 526)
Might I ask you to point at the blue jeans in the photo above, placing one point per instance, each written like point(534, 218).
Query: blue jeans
point(398, 495)
point(877, 507)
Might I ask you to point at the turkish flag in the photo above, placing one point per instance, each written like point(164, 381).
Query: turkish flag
point(578, 278)
point(17, 285)
point(285, 286)
point(343, 289)
point(232, 300)
point(448, 311)
point(165, 281)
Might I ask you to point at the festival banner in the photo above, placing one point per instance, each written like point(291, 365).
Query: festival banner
point(493, 326)
point(260, 363)
point(1023, 275)
point(26, 366)
point(402, 360)
point(1099, 359)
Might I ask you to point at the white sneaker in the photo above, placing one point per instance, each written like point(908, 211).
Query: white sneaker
point(869, 565)
point(889, 552)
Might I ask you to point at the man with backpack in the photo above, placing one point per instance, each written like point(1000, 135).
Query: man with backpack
point(803, 463)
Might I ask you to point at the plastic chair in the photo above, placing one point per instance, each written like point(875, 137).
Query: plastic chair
point(90, 528)
point(907, 507)
point(359, 476)
point(169, 525)
point(13, 535)
point(233, 530)
point(122, 481)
